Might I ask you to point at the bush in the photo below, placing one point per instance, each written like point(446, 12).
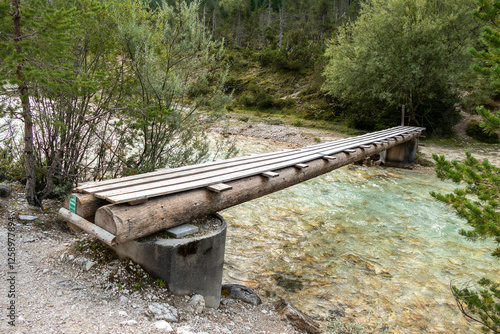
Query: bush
point(475, 130)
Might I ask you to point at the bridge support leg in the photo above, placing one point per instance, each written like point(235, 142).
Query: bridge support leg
point(188, 265)
point(401, 156)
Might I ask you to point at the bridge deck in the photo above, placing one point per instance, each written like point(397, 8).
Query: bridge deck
point(213, 175)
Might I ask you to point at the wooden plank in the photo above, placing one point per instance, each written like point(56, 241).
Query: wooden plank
point(209, 178)
point(138, 201)
point(220, 187)
point(134, 186)
point(270, 174)
point(197, 184)
point(196, 169)
point(169, 188)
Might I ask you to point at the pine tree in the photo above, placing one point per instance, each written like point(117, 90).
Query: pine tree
point(34, 42)
point(479, 201)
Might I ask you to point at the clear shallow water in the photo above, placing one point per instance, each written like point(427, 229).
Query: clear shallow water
point(367, 243)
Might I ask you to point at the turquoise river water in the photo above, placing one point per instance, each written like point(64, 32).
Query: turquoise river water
point(368, 244)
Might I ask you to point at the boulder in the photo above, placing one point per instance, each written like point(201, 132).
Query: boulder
point(5, 190)
point(241, 292)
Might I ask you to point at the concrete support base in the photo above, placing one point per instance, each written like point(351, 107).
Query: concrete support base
point(188, 265)
point(401, 156)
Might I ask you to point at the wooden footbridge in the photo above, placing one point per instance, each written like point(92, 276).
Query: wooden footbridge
point(127, 208)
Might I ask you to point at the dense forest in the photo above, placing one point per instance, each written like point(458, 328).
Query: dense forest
point(348, 61)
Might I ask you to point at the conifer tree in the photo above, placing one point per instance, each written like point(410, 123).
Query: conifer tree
point(34, 39)
point(479, 201)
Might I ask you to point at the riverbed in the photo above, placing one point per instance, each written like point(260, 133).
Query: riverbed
point(367, 244)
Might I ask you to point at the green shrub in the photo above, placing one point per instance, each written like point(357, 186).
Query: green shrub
point(475, 130)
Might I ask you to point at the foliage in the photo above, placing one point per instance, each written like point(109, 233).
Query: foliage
point(485, 303)
point(488, 59)
point(479, 201)
point(476, 131)
point(109, 89)
point(401, 52)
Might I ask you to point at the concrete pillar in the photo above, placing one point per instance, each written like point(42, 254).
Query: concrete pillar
point(401, 156)
point(188, 265)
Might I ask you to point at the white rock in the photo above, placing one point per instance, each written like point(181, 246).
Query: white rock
point(71, 257)
point(185, 330)
point(129, 323)
point(163, 311)
point(27, 217)
point(162, 324)
point(81, 261)
point(197, 302)
point(123, 313)
point(123, 299)
point(89, 265)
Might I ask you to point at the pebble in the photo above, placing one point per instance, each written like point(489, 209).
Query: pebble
point(197, 302)
point(162, 324)
point(123, 299)
point(163, 311)
point(123, 313)
point(185, 330)
point(89, 265)
point(129, 323)
point(27, 218)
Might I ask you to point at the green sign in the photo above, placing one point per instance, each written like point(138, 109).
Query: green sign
point(72, 204)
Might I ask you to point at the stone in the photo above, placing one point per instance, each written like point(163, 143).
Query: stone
point(27, 218)
point(81, 262)
point(89, 265)
point(123, 299)
point(298, 319)
point(128, 323)
point(123, 313)
point(185, 330)
point(183, 230)
point(163, 311)
point(5, 190)
point(197, 302)
point(241, 292)
point(162, 324)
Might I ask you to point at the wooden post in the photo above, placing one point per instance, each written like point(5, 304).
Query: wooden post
point(88, 227)
point(403, 115)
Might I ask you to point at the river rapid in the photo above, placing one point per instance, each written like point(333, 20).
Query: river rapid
point(367, 244)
